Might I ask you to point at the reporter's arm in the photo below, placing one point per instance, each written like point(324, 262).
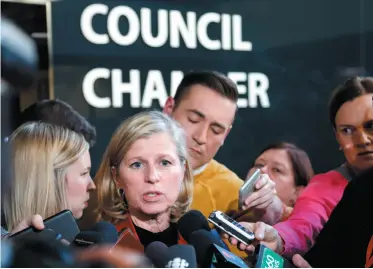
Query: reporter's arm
point(310, 213)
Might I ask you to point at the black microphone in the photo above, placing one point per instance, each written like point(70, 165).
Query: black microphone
point(193, 221)
point(157, 253)
point(38, 252)
point(101, 233)
point(181, 256)
point(108, 231)
point(210, 252)
point(190, 222)
point(177, 256)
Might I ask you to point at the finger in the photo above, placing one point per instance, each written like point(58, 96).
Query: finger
point(250, 249)
point(261, 182)
point(259, 230)
point(300, 262)
point(264, 205)
point(233, 241)
point(242, 246)
point(253, 196)
point(225, 236)
point(37, 222)
point(260, 197)
point(265, 198)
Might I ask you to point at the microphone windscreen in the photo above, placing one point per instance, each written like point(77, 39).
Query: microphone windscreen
point(181, 256)
point(190, 222)
point(107, 230)
point(157, 253)
point(203, 241)
point(19, 56)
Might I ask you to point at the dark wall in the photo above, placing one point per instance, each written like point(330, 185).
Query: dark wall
point(305, 48)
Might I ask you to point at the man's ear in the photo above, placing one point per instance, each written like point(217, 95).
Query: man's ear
point(169, 106)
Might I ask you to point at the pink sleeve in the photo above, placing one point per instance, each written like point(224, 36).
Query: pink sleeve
point(311, 212)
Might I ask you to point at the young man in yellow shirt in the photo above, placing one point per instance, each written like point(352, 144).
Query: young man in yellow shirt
point(205, 106)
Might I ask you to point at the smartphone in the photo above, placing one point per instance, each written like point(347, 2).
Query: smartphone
point(248, 187)
point(231, 227)
point(63, 224)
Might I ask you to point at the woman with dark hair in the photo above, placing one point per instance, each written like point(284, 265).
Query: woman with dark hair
point(289, 167)
point(351, 116)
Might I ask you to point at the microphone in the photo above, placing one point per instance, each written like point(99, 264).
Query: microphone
point(267, 258)
point(210, 252)
point(38, 252)
point(157, 253)
point(101, 233)
point(177, 256)
point(193, 221)
point(190, 222)
point(107, 230)
point(181, 256)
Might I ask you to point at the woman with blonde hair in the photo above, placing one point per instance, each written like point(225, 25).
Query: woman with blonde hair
point(144, 182)
point(50, 170)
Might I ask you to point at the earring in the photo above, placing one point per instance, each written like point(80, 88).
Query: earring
point(123, 196)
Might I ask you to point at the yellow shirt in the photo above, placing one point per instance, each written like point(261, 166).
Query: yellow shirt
point(216, 188)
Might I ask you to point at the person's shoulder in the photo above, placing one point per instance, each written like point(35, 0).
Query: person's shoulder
point(219, 172)
point(330, 184)
point(363, 182)
point(331, 177)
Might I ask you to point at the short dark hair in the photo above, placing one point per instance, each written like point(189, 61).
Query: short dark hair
point(211, 79)
point(348, 91)
point(301, 163)
point(59, 113)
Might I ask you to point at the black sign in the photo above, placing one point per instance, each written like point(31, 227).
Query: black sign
point(112, 59)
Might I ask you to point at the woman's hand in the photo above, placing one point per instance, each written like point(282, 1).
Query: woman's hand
point(35, 221)
point(263, 195)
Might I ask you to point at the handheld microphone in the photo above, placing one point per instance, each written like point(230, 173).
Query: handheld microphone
point(101, 233)
point(157, 253)
point(107, 230)
point(210, 253)
point(267, 258)
point(193, 221)
point(38, 252)
point(190, 222)
point(177, 256)
point(181, 256)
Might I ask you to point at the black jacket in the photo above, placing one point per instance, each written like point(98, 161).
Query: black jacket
point(344, 240)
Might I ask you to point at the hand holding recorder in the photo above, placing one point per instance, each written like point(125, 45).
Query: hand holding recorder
point(263, 233)
point(258, 192)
